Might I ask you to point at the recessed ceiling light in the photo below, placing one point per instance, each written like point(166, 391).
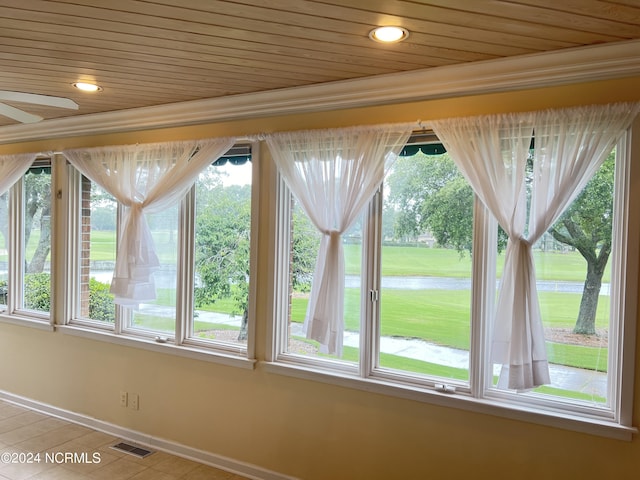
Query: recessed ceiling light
point(388, 34)
point(87, 87)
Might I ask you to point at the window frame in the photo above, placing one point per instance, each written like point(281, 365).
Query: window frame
point(15, 312)
point(614, 420)
point(180, 342)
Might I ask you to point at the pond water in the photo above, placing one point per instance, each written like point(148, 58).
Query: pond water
point(166, 279)
point(445, 283)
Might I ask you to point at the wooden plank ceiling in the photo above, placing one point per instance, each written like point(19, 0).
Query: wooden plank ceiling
point(156, 52)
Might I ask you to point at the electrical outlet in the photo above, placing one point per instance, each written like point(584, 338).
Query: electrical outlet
point(134, 401)
point(124, 399)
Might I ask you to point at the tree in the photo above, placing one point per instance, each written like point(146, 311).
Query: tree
point(587, 226)
point(414, 181)
point(223, 227)
point(305, 243)
point(223, 222)
point(429, 194)
point(37, 193)
point(448, 214)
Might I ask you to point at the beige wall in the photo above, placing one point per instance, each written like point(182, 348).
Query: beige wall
point(302, 428)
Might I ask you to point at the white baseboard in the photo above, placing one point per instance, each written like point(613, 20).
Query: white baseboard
point(173, 448)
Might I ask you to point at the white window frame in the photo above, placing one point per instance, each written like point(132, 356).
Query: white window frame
point(181, 342)
point(15, 312)
point(612, 420)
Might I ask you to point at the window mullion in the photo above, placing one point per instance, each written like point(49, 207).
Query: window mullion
point(485, 239)
point(370, 292)
point(278, 334)
point(74, 226)
point(624, 274)
point(123, 315)
point(16, 253)
point(185, 268)
point(253, 248)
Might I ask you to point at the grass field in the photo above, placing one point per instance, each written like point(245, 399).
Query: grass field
point(442, 262)
point(408, 261)
point(103, 245)
point(437, 316)
point(442, 316)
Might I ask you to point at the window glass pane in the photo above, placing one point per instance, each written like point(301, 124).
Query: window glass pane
point(425, 301)
point(222, 239)
point(159, 316)
point(37, 239)
point(573, 280)
point(97, 253)
point(572, 262)
point(4, 249)
point(305, 241)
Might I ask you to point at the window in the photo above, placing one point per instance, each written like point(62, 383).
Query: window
point(411, 289)
point(97, 246)
point(425, 276)
point(203, 246)
point(305, 241)
point(573, 267)
point(222, 252)
point(157, 318)
point(25, 252)
point(95, 238)
point(4, 250)
point(428, 263)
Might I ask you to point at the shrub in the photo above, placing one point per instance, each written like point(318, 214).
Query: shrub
point(37, 291)
point(37, 296)
point(101, 306)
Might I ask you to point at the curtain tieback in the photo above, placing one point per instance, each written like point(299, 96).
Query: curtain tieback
point(522, 240)
point(135, 212)
point(334, 235)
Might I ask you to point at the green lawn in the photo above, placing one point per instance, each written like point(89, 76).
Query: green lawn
point(442, 317)
point(397, 261)
point(437, 316)
point(103, 245)
point(442, 262)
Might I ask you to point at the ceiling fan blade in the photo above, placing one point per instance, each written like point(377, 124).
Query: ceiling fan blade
point(34, 98)
point(17, 114)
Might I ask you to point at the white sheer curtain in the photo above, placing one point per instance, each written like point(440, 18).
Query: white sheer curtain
point(333, 174)
point(12, 167)
point(145, 178)
point(491, 151)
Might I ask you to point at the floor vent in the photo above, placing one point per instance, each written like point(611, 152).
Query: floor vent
point(132, 450)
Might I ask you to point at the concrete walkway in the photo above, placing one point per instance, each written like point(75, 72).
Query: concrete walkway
point(573, 379)
point(569, 378)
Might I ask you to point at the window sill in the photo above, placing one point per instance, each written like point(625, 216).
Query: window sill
point(23, 321)
point(165, 348)
point(563, 420)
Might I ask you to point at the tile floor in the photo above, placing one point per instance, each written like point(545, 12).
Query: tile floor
point(23, 430)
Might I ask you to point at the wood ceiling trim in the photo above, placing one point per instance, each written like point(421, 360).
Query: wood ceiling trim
point(592, 63)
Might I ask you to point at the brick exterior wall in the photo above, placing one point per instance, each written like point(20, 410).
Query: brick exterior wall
point(85, 250)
